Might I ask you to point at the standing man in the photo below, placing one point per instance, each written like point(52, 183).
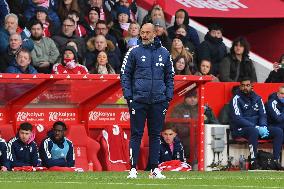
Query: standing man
point(248, 120)
point(275, 108)
point(147, 80)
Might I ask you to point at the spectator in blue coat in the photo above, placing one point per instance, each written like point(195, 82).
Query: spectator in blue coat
point(248, 120)
point(4, 162)
point(23, 150)
point(4, 10)
point(57, 150)
point(171, 147)
point(275, 108)
point(10, 27)
point(22, 63)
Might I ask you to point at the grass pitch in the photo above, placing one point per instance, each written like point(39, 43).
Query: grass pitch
point(117, 180)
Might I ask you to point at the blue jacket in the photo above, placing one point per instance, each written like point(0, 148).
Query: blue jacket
point(48, 157)
point(147, 74)
point(275, 110)
point(4, 38)
point(4, 10)
point(4, 154)
point(167, 155)
point(247, 111)
point(15, 68)
point(21, 154)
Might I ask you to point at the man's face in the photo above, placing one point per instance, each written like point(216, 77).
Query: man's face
point(23, 59)
point(24, 135)
point(101, 29)
point(191, 100)
point(280, 93)
point(100, 43)
point(15, 42)
point(238, 49)
point(68, 28)
point(59, 132)
point(93, 16)
point(11, 24)
point(246, 87)
point(216, 33)
point(37, 32)
point(147, 33)
point(169, 136)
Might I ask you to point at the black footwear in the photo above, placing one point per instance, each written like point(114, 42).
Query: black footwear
point(277, 165)
point(254, 165)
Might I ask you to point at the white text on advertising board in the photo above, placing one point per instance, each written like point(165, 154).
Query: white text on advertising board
point(62, 116)
point(30, 116)
point(101, 116)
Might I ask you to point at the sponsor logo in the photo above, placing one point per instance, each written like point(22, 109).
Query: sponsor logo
point(1, 116)
point(62, 116)
point(101, 116)
point(222, 5)
point(124, 116)
point(30, 116)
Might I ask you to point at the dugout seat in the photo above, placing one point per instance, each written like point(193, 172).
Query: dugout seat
point(114, 151)
point(85, 148)
point(7, 131)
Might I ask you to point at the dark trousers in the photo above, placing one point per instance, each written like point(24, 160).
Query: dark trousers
point(251, 134)
point(155, 115)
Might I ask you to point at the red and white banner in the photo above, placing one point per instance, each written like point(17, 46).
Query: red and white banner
point(222, 8)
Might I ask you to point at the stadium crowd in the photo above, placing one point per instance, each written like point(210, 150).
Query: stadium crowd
point(93, 36)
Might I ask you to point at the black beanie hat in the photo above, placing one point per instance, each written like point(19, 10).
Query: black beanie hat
point(70, 48)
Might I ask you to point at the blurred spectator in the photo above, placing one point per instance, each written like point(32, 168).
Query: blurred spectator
point(155, 13)
point(277, 74)
point(23, 150)
point(178, 49)
point(80, 30)
point(237, 64)
point(181, 66)
point(18, 7)
point(98, 44)
point(121, 26)
point(133, 34)
point(67, 34)
point(81, 60)
point(10, 27)
point(92, 18)
point(129, 4)
point(205, 70)
point(69, 63)
point(51, 5)
point(161, 33)
point(22, 63)
point(4, 162)
point(171, 147)
point(181, 17)
point(15, 44)
point(56, 149)
point(102, 66)
point(4, 10)
point(213, 48)
point(67, 6)
point(45, 52)
point(49, 29)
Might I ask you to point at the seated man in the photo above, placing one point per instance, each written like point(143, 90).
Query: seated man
point(171, 147)
point(4, 163)
point(248, 120)
point(57, 150)
point(275, 108)
point(22, 148)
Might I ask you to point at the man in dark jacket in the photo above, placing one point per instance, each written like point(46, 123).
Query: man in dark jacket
point(4, 10)
point(147, 82)
point(4, 162)
point(248, 120)
point(57, 150)
point(213, 48)
point(23, 149)
point(275, 108)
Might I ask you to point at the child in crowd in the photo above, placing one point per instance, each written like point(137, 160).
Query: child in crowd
point(102, 66)
point(171, 147)
point(205, 70)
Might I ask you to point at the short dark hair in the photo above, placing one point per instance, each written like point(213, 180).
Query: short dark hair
point(170, 126)
point(74, 12)
point(61, 123)
point(35, 22)
point(245, 79)
point(26, 126)
point(215, 26)
point(243, 42)
point(101, 22)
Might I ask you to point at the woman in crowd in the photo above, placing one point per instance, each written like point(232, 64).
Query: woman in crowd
point(102, 66)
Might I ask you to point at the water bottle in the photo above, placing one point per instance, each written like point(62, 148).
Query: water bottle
point(242, 163)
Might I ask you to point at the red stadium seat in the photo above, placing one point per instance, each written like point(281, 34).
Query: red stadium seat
point(114, 153)
point(86, 148)
point(7, 131)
